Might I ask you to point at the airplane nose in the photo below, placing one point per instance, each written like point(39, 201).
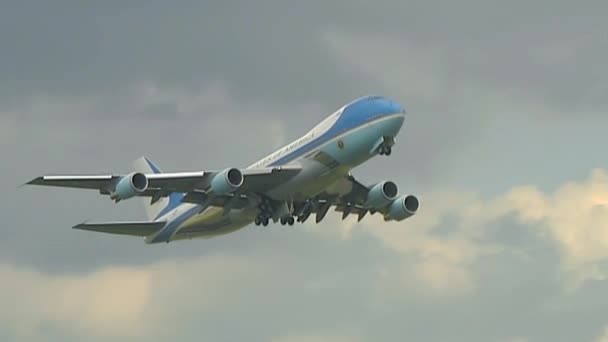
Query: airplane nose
point(397, 107)
point(391, 106)
point(396, 122)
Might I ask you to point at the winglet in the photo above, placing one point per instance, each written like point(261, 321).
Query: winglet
point(35, 181)
point(80, 225)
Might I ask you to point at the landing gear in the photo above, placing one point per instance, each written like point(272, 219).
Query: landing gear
point(302, 218)
point(385, 146)
point(261, 220)
point(267, 210)
point(288, 220)
point(385, 150)
point(265, 213)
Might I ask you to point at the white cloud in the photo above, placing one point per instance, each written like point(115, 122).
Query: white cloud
point(110, 301)
point(517, 339)
point(604, 336)
point(575, 216)
point(442, 276)
point(120, 301)
point(431, 262)
point(314, 337)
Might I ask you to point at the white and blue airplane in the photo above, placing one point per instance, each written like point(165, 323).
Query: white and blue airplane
point(308, 176)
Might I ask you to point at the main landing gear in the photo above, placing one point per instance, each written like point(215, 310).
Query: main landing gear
point(288, 220)
point(261, 220)
point(267, 212)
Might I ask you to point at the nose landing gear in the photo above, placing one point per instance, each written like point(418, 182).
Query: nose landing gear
point(385, 150)
point(384, 146)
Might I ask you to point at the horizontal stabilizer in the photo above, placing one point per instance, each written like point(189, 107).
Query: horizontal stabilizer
point(123, 228)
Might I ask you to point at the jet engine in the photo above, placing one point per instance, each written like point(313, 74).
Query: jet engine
point(227, 181)
point(381, 194)
point(129, 186)
point(402, 208)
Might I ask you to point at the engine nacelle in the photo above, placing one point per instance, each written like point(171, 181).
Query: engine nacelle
point(227, 181)
point(402, 208)
point(130, 186)
point(381, 194)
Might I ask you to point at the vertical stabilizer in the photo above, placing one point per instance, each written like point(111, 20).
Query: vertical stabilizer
point(156, 208)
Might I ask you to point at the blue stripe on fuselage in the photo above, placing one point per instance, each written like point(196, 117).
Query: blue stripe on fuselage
point(166, 233)
point(175, 199)
point(354, 114)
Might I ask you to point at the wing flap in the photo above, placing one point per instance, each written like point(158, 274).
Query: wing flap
point(349, 196)
point(123, 228)
point(349, 190)
point(263, 179)
point(179, 181)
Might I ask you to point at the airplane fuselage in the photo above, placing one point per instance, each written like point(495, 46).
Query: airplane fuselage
point(344, 140)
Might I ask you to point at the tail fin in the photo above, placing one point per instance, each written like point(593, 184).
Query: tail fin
point(165, 204)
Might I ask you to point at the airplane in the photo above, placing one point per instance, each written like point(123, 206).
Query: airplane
point(308, 176)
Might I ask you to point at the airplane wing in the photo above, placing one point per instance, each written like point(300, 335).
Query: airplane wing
point(254, 180)
point(347, 195)
point(350, 190)
point(382, 197)
point(76, 181)
point(352, 197)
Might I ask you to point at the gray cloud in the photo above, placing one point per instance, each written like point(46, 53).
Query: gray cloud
point(554, 51)
point(457, 67)
point(257, 48)
point(498, 94)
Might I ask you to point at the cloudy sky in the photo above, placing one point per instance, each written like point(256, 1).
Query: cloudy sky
point(504, 144)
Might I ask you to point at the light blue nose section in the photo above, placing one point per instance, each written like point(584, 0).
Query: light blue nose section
point(371, 120)
point(392, 109)
point(391, 106)
point(355, 147)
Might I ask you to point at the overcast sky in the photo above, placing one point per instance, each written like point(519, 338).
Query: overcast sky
point(505, 144)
